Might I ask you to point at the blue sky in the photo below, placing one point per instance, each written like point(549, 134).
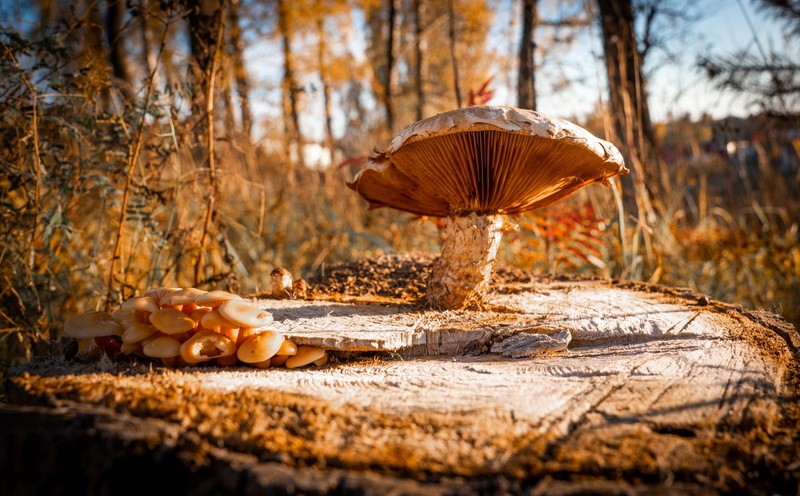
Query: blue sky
point(676, 85)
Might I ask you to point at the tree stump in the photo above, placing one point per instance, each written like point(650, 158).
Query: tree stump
point(623, 388)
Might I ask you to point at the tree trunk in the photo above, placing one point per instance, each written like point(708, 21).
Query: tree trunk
point(120, 63)
point(202, 16)
point(451, 31)
point(659, 391)
point(322, 59)
point(632, 129)
point(291, 115)
point(212, 49)
point(291, 125)
point(526, 83)
point(419, 63)
point(387, 83)
point(239, 69)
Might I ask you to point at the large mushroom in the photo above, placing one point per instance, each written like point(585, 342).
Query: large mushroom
point(473, 165)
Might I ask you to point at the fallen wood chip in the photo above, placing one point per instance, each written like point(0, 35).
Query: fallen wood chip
point(531, 344)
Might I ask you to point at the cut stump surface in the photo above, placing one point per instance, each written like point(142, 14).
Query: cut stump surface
point(657, 388)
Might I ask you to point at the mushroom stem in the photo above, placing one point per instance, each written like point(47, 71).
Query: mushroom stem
point(460, 277)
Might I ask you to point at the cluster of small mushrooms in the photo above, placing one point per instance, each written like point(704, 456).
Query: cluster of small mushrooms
point(189, 326)
point(472, 165)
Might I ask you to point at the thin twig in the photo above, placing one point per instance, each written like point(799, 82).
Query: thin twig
point(621, 221)
point(38, 171)
point(133, 159)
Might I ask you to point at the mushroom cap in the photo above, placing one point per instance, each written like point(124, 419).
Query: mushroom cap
point(162, 347)
point(304, 356)
point(182, 297)
point(137, 332)
point(215, 298)
point(206, 345)
point(141, 304)
point(92, 325)
point(244, 314)
point(171, 321)
point(214, 320)
point(485, 159)
point(158, 293)
point(260, 347)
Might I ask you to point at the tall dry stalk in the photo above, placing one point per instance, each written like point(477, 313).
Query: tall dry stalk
point(133, 153)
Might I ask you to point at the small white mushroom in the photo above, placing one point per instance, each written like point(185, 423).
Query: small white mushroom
point(281, 283)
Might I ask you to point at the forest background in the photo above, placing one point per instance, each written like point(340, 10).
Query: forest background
point(204, 143)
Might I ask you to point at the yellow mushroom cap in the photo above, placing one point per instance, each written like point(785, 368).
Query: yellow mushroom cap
point(137, 332)
point(129, 348)
point(244, 314)
point(197, 313)
point(182, 297)
point(141, 304)
point(304, 356)
point(214, 320)
point(158, 293)
point(260, 347)
point(206, 345)
point(126, 316)
point(215, 298)
point(162, 347)
point(171, 321)
point(287, 348)
point(92, 325)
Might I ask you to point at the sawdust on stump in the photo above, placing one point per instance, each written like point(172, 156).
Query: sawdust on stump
point(660, 389)
point(402, 277)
